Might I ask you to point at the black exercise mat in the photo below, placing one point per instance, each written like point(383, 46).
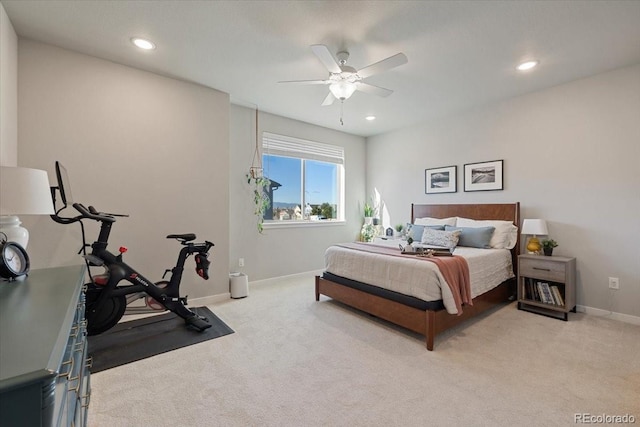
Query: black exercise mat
point(138, 339)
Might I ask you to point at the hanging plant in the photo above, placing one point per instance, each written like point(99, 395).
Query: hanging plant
point(260, 197)
point(260, 183)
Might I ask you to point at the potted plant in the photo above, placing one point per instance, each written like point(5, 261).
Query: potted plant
point(368, 213)
point(260, 196)
point(261, 184)
point(548, 245)
point(375, 209)
point(399, 228)
point(409, 246)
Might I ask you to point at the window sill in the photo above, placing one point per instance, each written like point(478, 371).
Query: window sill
point(295, 224)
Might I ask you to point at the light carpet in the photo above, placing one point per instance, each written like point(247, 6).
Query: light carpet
point(297, 362)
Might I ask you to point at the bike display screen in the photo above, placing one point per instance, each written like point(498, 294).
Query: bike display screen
point(63, 184)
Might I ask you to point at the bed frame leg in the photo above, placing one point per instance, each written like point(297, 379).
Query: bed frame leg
point(430, 329)
point(317, 288)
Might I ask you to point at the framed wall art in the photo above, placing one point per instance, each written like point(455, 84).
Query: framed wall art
point(483, 176)
point(441, 180)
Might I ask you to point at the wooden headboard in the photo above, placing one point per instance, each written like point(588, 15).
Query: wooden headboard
point(502, 211)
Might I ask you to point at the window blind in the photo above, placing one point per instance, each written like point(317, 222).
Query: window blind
point(287, 146)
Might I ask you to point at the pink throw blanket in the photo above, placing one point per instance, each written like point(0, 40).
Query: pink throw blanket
point(454, 269)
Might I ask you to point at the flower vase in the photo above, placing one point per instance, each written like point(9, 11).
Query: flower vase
point(368, 232)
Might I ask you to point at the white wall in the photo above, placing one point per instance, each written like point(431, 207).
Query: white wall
point(133, 142)
point(284, 251)
point(571, 156)
point(8, 91)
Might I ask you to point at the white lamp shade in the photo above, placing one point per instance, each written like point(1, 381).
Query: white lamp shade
point(342, 90)
point(24, 191)
point(536, 227)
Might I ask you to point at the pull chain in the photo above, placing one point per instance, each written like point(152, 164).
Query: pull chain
point(341, 111)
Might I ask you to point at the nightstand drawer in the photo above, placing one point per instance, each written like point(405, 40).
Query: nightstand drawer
point(543, 269)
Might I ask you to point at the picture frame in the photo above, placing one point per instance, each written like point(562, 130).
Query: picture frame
point(441, 180)
point(484, 176)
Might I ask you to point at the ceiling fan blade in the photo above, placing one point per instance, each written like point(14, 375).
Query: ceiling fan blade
point(323, 54)
point(386, 64)
point(307, 82)
point(375, 90)
point(328, 100)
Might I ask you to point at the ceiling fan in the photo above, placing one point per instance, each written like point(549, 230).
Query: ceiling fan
point(344, 80)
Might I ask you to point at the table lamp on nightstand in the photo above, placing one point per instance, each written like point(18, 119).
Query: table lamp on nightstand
point(23, 191)
point(534, 227)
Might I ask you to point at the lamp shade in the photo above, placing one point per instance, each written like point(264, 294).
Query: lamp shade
point(535, 227)
point(24, 191)
point(342, 90)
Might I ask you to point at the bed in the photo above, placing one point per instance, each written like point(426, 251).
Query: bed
point(428, 318)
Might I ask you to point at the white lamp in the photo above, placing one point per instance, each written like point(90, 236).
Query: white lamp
point(23, 191)
point(534, 227)
point(342, 89)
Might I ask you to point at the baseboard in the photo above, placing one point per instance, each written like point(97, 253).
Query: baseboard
point(211, 299)
point(627, 318)
point(274, 280)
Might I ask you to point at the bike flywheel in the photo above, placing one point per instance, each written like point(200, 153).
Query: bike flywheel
point(103, 318)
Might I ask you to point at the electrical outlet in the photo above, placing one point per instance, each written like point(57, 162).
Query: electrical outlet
point(240, 262)
point(614, 283)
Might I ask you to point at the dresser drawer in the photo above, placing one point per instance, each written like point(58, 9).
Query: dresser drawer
point(543, 269)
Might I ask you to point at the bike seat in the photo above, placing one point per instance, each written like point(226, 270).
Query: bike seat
point(184, 237)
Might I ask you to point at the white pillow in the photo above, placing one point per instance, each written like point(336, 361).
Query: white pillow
point(505, 236)
point(445, 239)
point(435, 221)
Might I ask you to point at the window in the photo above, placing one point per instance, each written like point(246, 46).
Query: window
point(307, 179)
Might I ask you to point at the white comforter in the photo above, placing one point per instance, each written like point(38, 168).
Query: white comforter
point(417, 277)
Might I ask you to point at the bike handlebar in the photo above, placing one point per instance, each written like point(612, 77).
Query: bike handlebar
point(93, 214)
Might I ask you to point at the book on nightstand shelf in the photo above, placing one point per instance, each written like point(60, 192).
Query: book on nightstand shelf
point(543, 292)
point(557, 295)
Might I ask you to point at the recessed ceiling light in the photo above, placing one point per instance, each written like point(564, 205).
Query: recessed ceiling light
point(143, 43)
point(370, 118)
point(527, 65)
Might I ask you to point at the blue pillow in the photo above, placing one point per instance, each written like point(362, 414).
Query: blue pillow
point(415, 231)
point(472, 237)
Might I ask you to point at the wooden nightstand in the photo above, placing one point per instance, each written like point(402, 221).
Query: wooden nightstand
point(547, 285)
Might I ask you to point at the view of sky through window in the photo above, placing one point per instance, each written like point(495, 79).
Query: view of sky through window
point(320, 181)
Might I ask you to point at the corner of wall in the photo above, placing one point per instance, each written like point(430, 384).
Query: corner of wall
point(8, 91)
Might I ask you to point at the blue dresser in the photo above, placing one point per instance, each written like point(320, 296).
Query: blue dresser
point(44, 371)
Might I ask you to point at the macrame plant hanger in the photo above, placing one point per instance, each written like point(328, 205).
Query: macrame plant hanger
point(256, 170)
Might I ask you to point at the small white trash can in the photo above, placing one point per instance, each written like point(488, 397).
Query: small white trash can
point(238, 285)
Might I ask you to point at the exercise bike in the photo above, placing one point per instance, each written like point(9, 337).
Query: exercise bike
point(107, 300)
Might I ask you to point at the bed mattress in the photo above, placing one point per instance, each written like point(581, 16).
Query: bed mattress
point(417, 277)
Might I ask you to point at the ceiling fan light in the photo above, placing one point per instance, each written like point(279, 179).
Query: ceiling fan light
point(342, 90)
